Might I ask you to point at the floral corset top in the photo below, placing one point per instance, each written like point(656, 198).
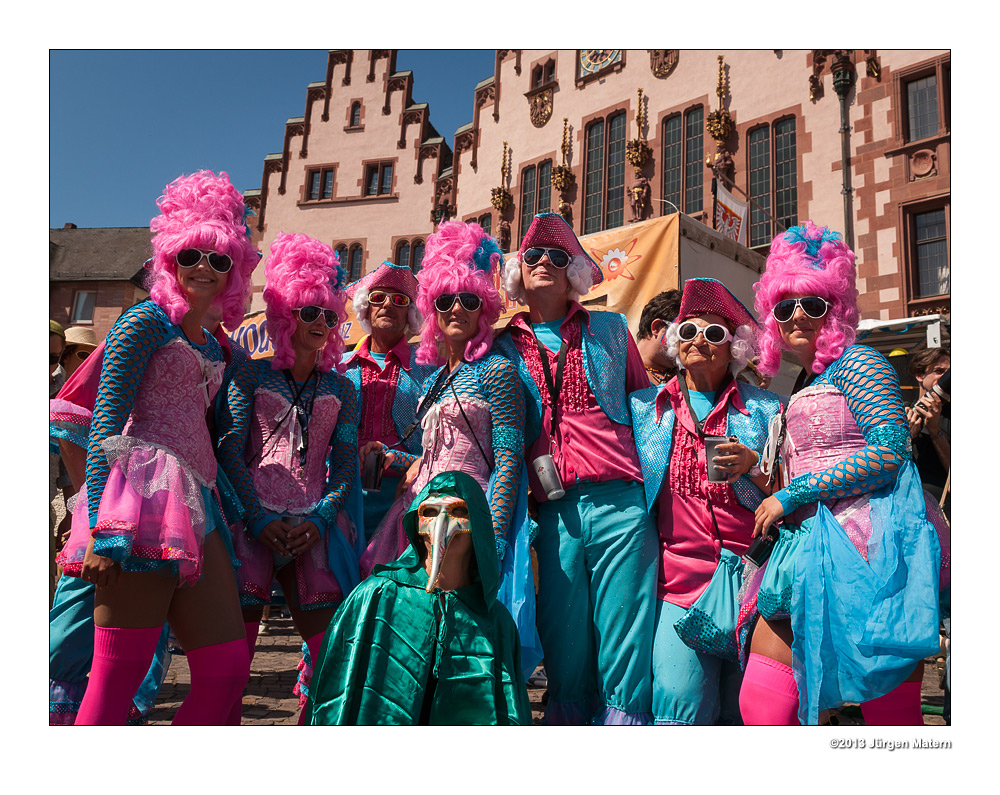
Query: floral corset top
point(169, 410)
point(847, 433)
point(491, 396)
point(275, 455)
point(156, 386)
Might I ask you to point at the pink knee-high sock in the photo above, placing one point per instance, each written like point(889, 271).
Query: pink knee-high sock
point(236, 713)
point(769, 695)
point(315, 643)
point(899, 707)
point(218, 675)
point(121, 659)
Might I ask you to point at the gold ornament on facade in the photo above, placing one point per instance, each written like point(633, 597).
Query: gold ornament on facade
point(540, 105)
point(719, 123)
point(500, 197)
point(562, 175)
point(637, 151)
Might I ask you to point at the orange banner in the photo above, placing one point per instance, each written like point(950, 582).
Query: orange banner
point(637, 261)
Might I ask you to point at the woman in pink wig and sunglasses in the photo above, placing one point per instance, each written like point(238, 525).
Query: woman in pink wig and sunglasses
point(846, 607)
point(471, 415)
point(153, 538)
point(285, 418)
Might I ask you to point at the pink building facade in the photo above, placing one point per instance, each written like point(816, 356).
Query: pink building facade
point(610, 137)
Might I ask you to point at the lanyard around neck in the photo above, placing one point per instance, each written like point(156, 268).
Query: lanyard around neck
point(553, 385)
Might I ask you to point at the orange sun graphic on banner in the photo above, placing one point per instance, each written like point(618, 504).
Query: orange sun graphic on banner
point(615, 262)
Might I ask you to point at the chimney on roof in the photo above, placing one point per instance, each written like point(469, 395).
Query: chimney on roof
point(69, 226)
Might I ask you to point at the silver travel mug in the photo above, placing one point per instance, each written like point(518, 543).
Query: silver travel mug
point(715, 474)
point(545, 468)
point(371, 479)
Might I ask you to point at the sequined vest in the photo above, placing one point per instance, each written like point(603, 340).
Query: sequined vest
point(654, 439)
point(605, 346)
point(404, 406)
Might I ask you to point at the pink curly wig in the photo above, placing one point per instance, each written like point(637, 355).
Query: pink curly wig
point(301, 271)
point(202, 211)
point(814, 261)
point(458, 258)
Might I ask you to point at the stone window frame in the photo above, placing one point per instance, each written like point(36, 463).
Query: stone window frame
point(908, 248)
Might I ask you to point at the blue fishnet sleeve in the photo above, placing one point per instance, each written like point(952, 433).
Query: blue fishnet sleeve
point(130, 343)
point(343, 453)
point(506, 398)
point(871, 387)
point(403, 460)
point(235, 415)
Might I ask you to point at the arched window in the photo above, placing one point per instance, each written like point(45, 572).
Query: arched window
point(604, 176)
point(356, 114)
point(403, 254)
point(772, 174)
point(418, 255)
point(356, 257)
point(683, 171)
point(341, 252)
point(486, 222)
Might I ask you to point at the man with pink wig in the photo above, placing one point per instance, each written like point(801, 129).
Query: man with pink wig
point(385, 373)
point(284, 420)
point(596, 544)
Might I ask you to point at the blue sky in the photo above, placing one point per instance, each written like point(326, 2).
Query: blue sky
point(124, 123)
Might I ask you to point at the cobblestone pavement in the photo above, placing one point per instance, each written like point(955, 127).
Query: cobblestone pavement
point(268, 699)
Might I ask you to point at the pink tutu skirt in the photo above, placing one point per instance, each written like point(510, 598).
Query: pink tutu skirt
point(154, 512)
point(317, 586)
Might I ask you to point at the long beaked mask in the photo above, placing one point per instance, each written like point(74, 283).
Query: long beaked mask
point(441, 518)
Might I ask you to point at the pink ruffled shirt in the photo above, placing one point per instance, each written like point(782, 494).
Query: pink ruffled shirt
point(378, 386)
point(689, 548)
point(589, 446)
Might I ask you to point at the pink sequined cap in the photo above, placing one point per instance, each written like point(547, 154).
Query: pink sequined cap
point(388, 277)
point(710, 295)
point(551, 229)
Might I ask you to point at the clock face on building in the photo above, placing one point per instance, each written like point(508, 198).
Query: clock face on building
point(593, 61)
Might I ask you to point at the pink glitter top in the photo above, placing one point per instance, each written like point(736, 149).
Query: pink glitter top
point(589, 446)
point(689, 547)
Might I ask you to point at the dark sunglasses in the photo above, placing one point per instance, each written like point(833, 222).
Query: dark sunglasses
point(54, 358)
point(558, 257)
point(812, 305)
point(470, 301)
point(309, 314)
point(379, 297)
point(189, 257)
point(714, 333)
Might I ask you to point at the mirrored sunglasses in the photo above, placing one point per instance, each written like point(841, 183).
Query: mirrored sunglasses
point(309, 314)
point(814, 307)
point(379, 297)
point(713, 333)
point(189, 257)
point(470, 301)
point(558, 257)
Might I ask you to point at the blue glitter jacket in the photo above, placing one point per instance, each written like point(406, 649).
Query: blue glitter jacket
point(654, 435)
point(605, 341)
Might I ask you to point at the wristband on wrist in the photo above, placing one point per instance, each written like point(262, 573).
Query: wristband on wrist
point(755, 469)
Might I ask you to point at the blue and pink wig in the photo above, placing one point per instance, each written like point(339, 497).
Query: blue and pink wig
point(203, 211)
point(301, 271)
point(810, 260)
point(458, 258)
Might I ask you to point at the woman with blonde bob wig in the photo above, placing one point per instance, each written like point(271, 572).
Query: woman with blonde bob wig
point(848, 599)
point(472, 410)
point(285, 419)
point(155, 542)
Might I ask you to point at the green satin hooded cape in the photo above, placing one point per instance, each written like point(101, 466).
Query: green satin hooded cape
point(390, 639)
